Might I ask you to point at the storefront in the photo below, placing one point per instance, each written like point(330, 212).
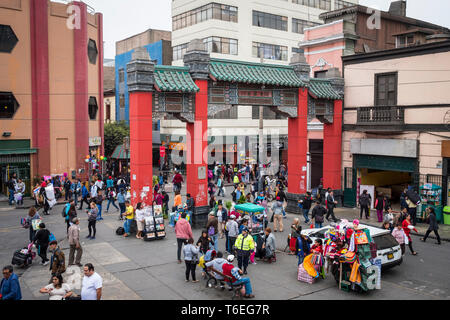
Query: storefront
point(380, 165)
point(15, 157)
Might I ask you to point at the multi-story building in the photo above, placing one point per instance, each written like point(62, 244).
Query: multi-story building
point(109, 91)
point(396, 130)
point(158, 45)
point(246, 30)
point(353, 30)
point(251, 31)
point(51, 91)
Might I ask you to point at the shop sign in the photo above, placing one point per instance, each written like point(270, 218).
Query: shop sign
point(95, 141)
point(177, 146)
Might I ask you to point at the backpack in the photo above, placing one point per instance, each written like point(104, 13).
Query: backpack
point(63, 213)
point(211, 231)
point(51, 237)
point(120, 231)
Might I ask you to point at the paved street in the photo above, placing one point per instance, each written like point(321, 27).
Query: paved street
point(134, 269)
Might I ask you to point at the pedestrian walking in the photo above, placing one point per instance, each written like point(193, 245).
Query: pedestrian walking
point(222, 218)
point(165, 204)
point(190, 202)
point(92, 220)
point(331, 204)
point(400, 236)
point(19, 193)
point(57, 290)
point(41, 240)
point(177, 181)
point(183, 232)
point(12, 188)
point(121, 200)
point(364, 203)
point(190, 253)
point(232, 228)
point(99, 201)
point(220, 186)
point(177, 201)
point(318, 214)
point(10, 286)
point(244, 246)
point(306, 205)
point(71, 213)
point(32, 215)
point(77, 191)
point(57, 260)
point(74, 242)
point(433, 225)
point(412, 210)
point(92, 284)
point(67, 191)
point(84, 196)
point(277, 209)
point(213, 229)
point(407, 227)
point(111, 197)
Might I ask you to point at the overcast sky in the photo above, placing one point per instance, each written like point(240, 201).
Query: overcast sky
point(124, 18)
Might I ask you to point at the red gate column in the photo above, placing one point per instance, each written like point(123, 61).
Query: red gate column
point(197, 59)
point(332, 149)
point(298, 146)
point(196, 179)
point(140, 86)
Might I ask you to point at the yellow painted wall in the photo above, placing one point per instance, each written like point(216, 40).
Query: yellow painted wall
point(384, 178)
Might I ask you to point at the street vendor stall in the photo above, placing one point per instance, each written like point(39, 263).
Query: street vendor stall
point(257, 217)
point(351, 255)
point(154, 224)
point(431, 196)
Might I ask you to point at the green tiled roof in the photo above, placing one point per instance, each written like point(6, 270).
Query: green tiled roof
point(119, 153)
point(322, 89)
point(168, 78)
point(258, 73)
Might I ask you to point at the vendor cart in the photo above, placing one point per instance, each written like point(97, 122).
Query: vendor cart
point(257, 217)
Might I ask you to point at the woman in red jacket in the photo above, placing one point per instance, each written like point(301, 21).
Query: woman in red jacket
point(407, 227)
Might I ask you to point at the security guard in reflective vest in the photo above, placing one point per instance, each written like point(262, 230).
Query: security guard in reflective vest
point(244, 246)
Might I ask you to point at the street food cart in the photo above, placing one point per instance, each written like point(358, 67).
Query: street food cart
point(257, 217)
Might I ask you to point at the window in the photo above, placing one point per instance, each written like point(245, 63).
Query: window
point(92, 51)
point(8, 105)
point(386, 89)
point(8, 39)
point(269, 51)
point(108, 113)
point(221, 45)
point(339, 4)
point(179, 51)
point(404, 41)
point(299, 25)
point(319, 4)
point(93, 108)
point(121, 75)
point(210, 11)
point(267, 20)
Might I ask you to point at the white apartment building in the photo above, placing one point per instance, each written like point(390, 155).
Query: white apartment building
point(246, 29)
point(251, 31)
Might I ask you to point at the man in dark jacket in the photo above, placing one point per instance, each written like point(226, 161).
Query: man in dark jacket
point(364, 203)
point(10, 286)
point(306, 205)
point(67, 184)
point(41, 240)
point(433, 225)
point(331, 204)
point(318, 213)
point(190, 202)
point(58, 259)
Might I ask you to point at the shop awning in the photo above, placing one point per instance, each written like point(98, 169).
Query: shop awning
point(322, 89)
point(174, 79)
point(257, 73)
point(119, 153)
point(7, 152)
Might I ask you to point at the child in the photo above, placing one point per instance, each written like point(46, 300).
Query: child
point(386, 225)
point(317, 246)
point(400, 236)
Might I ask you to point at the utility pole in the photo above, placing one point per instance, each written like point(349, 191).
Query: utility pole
point(261, 126)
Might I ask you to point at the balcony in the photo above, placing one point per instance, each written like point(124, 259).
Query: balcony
point(381, 115)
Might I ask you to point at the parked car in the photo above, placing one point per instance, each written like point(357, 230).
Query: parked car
point(388, 249)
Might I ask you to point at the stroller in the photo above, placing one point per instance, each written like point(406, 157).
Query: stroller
point(24, 257)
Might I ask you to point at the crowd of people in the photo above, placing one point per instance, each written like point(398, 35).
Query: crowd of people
point(248, 184)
